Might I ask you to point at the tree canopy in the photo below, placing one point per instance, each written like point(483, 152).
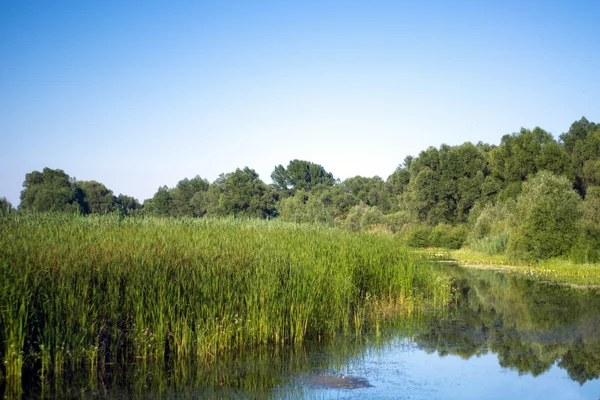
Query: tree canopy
point(300, 175)
point(479, 185)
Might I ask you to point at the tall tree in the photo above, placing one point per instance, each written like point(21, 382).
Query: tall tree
point(183, 194)
point(51, 190)
point(97, 198)
point(445, 184)
point(578, 131)
point(371, 191)
point(242, 193)
point(127, 205)
point(300, 175)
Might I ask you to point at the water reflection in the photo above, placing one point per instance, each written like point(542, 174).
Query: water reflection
point(500, 331)
point(529, 326)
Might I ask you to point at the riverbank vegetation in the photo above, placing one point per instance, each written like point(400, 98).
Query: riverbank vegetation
point(532, 197)
point(84, 291)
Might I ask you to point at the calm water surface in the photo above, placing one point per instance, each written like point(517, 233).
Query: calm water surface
point(502, 337)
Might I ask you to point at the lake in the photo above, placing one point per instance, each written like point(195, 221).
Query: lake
point(502, 337)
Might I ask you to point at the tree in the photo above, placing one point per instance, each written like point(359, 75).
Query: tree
point(162, 203)
point(336, 200)
point(97, 198)
point(242, 193)
point(548, 215)
point(522, 155)
point(187, 195)
point(578, 131)
point(300, 175)
point(371, 191)
point(304, 207)
point(127, 205)
point(363, 217)
point(51, 190)
point(445, 184)
point(5, 207)
point(399, 180)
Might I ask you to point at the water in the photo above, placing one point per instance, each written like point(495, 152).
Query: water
point(502, 337)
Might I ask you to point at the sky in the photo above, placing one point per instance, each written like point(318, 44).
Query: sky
point(141, 94)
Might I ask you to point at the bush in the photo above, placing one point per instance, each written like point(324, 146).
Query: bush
point(363, 217)
point(587, 247)
point(417, 236)
point(492, 244)
point(399, 220)
point(448, 236)
point(548, 217)
point(493, 220)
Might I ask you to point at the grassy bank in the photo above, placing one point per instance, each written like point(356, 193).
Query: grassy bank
point(554, 270)
point(83, 291)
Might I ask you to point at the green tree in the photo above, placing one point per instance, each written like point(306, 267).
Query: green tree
point(300, 175)
point(591, 205)
point(371, 191)
point(363, 217)
point(161, 204)
point(445, 184)
point(187, 196)
point(399, 180)
point(336, 199)
point(127, 205)
point(242, 193)
point(5, 207)
point(578, 131)
point(97, 198)
point(304, 207)
point(548, 216)
point(51, 190)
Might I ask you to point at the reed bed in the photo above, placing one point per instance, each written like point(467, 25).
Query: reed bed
point(81, 292)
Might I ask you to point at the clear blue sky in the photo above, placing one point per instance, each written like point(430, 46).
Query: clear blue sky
point(140, 94)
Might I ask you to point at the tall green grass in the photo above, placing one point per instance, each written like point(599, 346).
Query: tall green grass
point(85, 291)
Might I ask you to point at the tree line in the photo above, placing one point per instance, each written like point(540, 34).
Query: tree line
point(531, 195)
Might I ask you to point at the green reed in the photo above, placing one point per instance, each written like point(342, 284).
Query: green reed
point(85, 291)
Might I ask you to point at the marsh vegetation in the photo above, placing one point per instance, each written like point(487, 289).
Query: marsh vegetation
point(83, 292)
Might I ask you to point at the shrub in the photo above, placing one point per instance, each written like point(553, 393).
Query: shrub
point(448, 236)
point(587, 247)
point(362, 217)
point(491, 244)
point(548, 215)
point(399, 220)
point(493, 220)
point(417, 236)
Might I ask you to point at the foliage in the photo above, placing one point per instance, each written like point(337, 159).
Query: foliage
point(127, 205)
point(186, 197)
point(586, 248)
point(492, 244)
point(446, 183)
point(363, 217)
point(337, 200)
point(578, 131)
point(51, 190)
point(416, 236)
point(5, 207)
point(97, 198)
point(242, 193)
point(548, 212)
point(84, 291)
point(300, 175)
point(493, 219)
point(373, 192)
point(304, 207)
point(447, 236)
point(399, 220)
